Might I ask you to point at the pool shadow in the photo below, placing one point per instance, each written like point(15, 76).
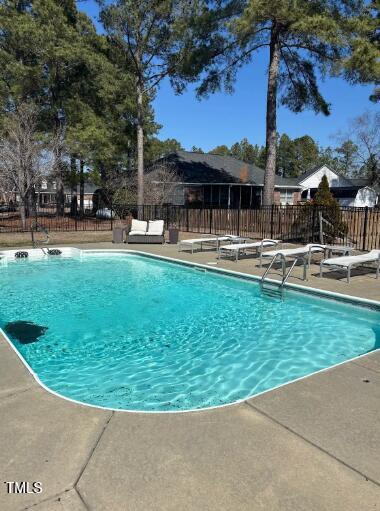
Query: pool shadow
point(342, 275)
point(25, 332)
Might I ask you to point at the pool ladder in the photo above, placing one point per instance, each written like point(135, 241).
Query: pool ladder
point(275, 290)
point(36, 227)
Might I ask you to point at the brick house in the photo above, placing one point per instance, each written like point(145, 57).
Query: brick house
point(215, 180)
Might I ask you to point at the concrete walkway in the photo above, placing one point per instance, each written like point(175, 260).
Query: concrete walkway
point(312, 445)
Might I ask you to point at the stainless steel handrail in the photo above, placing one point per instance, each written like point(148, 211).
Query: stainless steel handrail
point(272, 263)
point(38, 228)
point(285, 274)
point(285, 278)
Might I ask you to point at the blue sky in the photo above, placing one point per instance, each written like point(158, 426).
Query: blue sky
point(225, 118)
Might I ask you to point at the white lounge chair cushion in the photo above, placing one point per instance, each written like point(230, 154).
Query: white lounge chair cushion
point(155, 227)
point(197, 240)
point(295, 251)
point(138, 227)
point(208, 240)
point(355, 259)
point(256, 244)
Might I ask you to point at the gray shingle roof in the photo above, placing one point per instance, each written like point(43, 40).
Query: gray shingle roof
point(88, 188)
point(214, 168)
point(362, 182)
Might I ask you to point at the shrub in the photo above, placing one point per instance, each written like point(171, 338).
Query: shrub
point(333, 225)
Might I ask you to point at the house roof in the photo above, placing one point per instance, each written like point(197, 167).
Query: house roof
point(315, 169)
point(360, 182)
point(349, 183)
point(308, 173)
point(89, 188)
point(339, 192)
point(365, 182)
point(213, 168)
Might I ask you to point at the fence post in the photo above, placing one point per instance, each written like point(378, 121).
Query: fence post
point(320, 227)
point(313, 225)
point(365, 228)
point(210, 219)
point(238, 221)
point(271, 221)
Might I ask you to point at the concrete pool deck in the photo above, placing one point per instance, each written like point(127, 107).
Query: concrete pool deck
point(310, 445)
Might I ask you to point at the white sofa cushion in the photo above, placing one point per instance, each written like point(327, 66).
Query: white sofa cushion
point(155, 227)
point(138, 233)
point(138, 226)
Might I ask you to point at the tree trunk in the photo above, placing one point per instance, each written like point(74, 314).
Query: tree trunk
point(60, 196)
point(103, 174)
point(271, 128)
point(140, 146)
point(31, 200)
point(81, 188)
point(73, 183)
point(59, 167)
point(23, 214)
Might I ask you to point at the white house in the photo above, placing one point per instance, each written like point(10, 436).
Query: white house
point(349, 192)
point(366, 196)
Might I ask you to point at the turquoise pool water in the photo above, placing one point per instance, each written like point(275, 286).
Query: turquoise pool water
point(141, 334)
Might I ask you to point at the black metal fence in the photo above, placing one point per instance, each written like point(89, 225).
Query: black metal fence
point(359, 227)
point(48, 217)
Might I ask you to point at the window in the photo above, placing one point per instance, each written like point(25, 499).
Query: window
point(286, 197)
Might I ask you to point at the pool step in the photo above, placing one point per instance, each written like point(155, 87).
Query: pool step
point(272, 291)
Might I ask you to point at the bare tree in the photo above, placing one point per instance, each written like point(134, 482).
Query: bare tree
point(161, 183)
point(123, 189)
point(24, 157)
point(364, 136)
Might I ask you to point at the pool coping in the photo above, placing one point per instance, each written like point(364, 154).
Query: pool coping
point(313, 291)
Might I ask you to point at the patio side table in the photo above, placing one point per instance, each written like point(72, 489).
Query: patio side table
point(173, 235)
point(118, 234)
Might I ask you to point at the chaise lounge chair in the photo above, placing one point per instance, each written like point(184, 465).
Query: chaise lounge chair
point(213, 242)
point(146, 232)
point(292, 253)
point(234, 250)
point(348, 262)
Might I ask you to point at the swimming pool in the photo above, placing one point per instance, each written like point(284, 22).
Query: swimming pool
point(137, 333)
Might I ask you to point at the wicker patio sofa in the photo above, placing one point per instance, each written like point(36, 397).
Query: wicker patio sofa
point(146, 232)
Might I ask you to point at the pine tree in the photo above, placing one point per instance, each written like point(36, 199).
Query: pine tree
point(285, 156)
point(153, 37)
point(303, 39)
point(333, 225)
point(51, 54)
point(305, 155)
point(324, 197)
point(221, 150)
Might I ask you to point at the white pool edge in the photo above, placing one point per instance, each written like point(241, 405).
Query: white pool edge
point(246, 276)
